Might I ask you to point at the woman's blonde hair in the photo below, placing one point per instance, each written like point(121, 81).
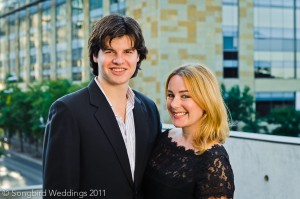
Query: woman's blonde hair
point(204, 89)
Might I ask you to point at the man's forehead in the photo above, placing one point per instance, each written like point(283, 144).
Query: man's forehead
point(109, 40)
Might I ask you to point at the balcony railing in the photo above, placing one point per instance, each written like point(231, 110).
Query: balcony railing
point(265, 167)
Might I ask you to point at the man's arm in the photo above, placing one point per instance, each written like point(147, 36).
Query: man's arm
point(61, 155)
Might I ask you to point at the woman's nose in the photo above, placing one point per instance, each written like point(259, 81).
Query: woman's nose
point(175, 103)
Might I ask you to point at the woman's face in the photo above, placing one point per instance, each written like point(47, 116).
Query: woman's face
point(183, 110)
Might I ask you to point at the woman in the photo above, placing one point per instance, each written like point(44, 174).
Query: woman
point(189, 161)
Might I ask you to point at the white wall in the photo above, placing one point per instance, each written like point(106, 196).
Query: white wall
point(254, 156)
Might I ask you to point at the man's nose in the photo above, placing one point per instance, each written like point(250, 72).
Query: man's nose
point(118, 59)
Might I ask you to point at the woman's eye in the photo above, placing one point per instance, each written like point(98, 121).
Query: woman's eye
point(170, 96)
point(185, 96)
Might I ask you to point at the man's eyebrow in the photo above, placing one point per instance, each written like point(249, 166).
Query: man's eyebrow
point(132, 48)
point(108, 48)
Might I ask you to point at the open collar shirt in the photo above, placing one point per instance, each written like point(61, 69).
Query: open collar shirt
point(127, 129)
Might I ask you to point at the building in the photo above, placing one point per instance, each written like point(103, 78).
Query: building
point(253, 43)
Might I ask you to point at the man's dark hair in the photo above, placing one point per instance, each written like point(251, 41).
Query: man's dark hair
point(114, 26)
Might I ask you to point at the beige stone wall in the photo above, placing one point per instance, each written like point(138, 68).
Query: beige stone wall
point(176, 32)
point(246, 44)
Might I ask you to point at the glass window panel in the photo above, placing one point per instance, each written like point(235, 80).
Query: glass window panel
point(263, 17)
point(117, 6)
point(96, 4)
point(288, 3)
point(58, 2)
point(298, 66)
point(33, 9)
point(46, 5)
point(276, 3)
point(230, 72)
point(288, 33)
point(275, 96)
point(276, 17)
point(230, 63)
point(228, 43)
point(262, 2)
point(230, 2)
point(288, 18)
point(61, 12)
point(230, 31)
point(230, 55)
point(77, 7)
point(274, 45)
point(230, 15)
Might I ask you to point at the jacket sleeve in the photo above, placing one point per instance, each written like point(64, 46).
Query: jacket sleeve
point(61, 155)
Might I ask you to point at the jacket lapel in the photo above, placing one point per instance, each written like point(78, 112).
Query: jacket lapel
point(141, 137)
point(107, 120)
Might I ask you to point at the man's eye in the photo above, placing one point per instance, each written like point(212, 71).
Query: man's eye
point(129, 51)
point(107, 51)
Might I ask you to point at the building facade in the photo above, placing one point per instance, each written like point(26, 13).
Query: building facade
point(253, 43)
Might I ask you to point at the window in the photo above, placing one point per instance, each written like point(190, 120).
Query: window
point(118, 6)
point(77, 38)
point(267, 101)
point(230, 39)
point(274, 39)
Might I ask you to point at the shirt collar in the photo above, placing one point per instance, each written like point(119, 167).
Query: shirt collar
point(130, 94)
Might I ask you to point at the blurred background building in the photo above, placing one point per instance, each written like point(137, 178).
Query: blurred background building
point(253, 43)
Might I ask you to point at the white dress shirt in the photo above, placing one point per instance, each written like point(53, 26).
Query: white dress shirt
point(127, 129)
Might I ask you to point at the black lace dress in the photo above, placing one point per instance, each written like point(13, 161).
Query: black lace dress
point(176, 173)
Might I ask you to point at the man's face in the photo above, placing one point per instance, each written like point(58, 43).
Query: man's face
point(118, 62)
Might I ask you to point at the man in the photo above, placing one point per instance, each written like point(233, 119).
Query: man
point(98, 139)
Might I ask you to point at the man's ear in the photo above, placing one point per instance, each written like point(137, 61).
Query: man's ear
point(138, 58)
point(95, 59)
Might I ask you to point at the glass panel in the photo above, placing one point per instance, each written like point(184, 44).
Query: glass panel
point(230, 38)
point(2, 49)
point(77, 38)
point(274, 33)
point(117, 6)
point(46, 40)
point(61, 38)
point(96, 10)
point(12, 44)
point(266, 101)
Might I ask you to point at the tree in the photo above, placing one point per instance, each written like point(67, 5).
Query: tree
point(25, 112)
point(42, 95)
point(288, 121)
point(6, 112)
point(19, 110)
point(240, 105)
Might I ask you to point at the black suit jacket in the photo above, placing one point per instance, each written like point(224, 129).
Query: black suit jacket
point(84, 153)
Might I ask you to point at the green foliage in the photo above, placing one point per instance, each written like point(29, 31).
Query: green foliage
point(9, 104)
point(288, 120)
point(240, 105)
point(27, 112)
point(2, 151)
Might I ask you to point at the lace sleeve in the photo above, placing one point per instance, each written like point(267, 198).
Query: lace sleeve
point(218, 180)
